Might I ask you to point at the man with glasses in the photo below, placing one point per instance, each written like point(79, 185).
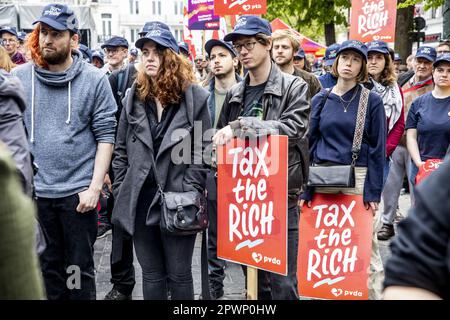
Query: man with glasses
point(443, 47)
point(268, 100)
point(116, 50)
point(10, 40)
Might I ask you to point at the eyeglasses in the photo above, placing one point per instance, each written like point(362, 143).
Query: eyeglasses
point(248, 46)
point(9, 41)
point(111, 51)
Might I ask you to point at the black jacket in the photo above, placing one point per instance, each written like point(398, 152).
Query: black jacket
point(286, 111)
point(134, 149)
point(421, 251)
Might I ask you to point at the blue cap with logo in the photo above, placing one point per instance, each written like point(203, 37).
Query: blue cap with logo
point(425, 52)
point(445, 57)
point(331, 54)
point(249, 26)
point(59, 17)
point(153, 25)
point(354, 45)
point(22, 35)
point(115, 42)
point(210, 44)
point(397, 57)
point(378, 46)
point(162, 37)
point(10, 30)
point(300, 54)
point(87, 53)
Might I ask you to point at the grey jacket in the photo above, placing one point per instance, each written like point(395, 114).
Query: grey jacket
point(134, 149)
point(286, 110)
point(12, 129)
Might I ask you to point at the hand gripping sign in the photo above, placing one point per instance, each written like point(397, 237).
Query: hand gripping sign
point(335, 241)
point(252, 203)
point(233, 7)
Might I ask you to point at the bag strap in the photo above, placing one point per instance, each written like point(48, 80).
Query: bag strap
point(360, 122)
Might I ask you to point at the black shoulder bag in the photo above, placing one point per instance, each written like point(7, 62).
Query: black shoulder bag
point(342, 176)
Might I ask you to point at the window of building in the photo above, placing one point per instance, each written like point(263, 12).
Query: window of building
point(134, 6)
point(106, 24)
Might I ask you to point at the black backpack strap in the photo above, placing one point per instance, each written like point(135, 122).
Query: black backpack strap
point(122, 81)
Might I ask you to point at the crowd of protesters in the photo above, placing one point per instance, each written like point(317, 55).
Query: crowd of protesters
point(90, 132)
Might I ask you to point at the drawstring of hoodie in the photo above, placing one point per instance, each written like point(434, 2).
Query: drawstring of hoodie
point(32, 104)
point(69, 104)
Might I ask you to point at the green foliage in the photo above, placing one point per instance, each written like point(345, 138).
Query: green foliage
point(302, 13)
point(428, 4)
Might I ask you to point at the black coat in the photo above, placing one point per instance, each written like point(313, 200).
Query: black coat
point(134, 149)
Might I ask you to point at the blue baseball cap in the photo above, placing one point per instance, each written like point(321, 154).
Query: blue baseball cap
point(115, 42)
point(22, 35)
point(300, 53)
point(378, 46)
point(210, 44)
point(397, 57)
point(331, 54)
point(354, 45)
point(249, 26)
point(162, 37)
point(428, 53)
point(153, 25)
point(184, 47)
point(99, 55)
point(87, 53)
point(445, 57)
point(10, 30)
point(134, 52)
point(59, 17)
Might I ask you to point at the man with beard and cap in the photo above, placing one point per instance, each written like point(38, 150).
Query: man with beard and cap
point(10, 39)
point(223, 65)
point(284, 46)
point(71, 126)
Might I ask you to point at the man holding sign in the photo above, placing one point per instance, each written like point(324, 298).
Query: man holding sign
point(269, 102)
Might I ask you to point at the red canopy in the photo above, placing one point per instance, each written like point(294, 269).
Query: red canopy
point(307, 44)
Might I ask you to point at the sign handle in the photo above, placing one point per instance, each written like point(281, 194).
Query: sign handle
point(252, 283)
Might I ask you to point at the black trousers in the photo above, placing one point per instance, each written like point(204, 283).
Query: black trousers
point(122, 269)
point(68, 261)
point(216, 266)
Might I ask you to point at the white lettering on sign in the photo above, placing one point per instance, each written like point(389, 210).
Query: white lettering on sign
point(248, 219)
point(335, 254)
point(374, 18)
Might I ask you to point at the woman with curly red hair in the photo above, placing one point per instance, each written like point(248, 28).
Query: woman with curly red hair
point(160, 112)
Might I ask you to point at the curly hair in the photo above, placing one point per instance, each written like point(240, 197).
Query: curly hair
point(5, 60)
point(33, 45)
point(175, 74)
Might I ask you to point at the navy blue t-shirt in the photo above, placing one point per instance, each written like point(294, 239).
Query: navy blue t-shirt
point(431, 117)
point(331, 136)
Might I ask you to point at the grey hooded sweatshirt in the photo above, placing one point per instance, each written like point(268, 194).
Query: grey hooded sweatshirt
point(68, 114)
point(12, 130)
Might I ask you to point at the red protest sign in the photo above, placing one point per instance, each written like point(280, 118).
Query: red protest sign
point(427, 168)
point(335, 241)
point(252, 203)
point(233, 7)
point(373, 20)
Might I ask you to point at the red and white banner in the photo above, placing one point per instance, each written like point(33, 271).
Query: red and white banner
point(373, 20)
point(335, 242)
point(233, 7)
point(252, 203)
